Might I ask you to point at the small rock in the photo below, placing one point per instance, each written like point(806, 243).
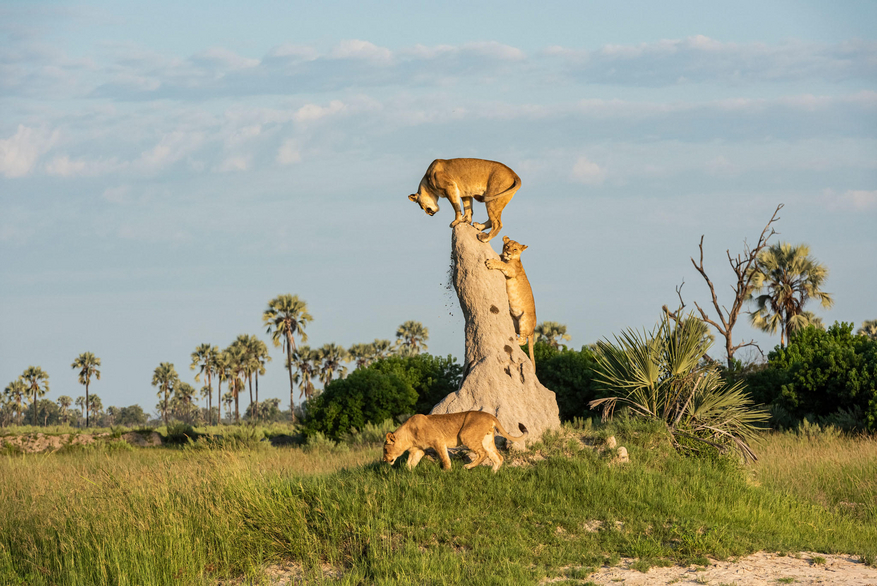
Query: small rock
point(611, 443)
point(621, 456)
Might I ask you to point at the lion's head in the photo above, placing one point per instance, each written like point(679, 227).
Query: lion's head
point(511, 250)
point(427, 201)
point(392, 448)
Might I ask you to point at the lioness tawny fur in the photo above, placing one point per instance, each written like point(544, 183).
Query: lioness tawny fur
point(473, 429)
point(521, 303)
point(461, 181)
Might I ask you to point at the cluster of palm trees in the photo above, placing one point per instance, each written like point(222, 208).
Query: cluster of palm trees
point(244, 360)
point(33, 384)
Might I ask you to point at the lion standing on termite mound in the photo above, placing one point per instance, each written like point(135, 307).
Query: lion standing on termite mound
point(461, 181)
point(521, 303)
point(473, 429)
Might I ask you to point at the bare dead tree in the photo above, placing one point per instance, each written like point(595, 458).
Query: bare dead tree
point(742, 265)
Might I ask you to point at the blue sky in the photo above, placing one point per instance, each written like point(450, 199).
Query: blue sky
point(167, 168)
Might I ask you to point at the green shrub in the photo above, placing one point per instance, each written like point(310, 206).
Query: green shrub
point(570, 374)
point(828, 376)
point(366, 396)
point(432, 377)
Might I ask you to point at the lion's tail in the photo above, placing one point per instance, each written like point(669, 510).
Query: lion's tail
point(517, 438)
point(530, 341)
point(515, 186)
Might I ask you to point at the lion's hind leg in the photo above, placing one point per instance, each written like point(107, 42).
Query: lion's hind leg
point(493, 453)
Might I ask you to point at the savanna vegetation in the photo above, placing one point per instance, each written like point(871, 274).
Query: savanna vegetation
point(729, 457)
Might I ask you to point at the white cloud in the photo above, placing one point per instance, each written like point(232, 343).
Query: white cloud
point(851, 200)
point(64, 166)
point(20, 152)
point(356, 49)
point(225, 59)
point(235, 163)
point(587, 172)
point(170, 149)
point(289, 152)
point(311, 112)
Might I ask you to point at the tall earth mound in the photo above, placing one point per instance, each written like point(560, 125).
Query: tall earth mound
point(498, 377)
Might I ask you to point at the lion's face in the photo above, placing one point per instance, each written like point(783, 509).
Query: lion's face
point(426, 200)
point(392, 449)
point(511, 250)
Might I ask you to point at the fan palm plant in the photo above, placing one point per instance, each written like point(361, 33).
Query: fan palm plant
point(784, 279)
point(286, 316)
point(89, 366)
point(165, 377)
point(37, 382)
point(662, 375)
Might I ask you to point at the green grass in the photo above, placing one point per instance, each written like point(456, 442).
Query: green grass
point(199, 516)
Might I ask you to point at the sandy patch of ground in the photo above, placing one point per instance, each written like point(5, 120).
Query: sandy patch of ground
point(759, 569)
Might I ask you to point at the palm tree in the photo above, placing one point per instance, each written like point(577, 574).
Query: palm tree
point(203, 358)
point(64, 403)
point(411, 338)
point(206, 393)
point(287, 315)
point(89, 366)
point(331, 357)
point(260, 357)
point(228, 399)
point(15, 392)
point(789, 277)
point(551, 332)
point(238, 365)
point(662, 375)
point(221, 370)
point(80, 402)
point(183, 392)
point(306, 362)
point(165, 377)
point(381, 349)
point(361, 354)
point(37, 382)
point(869, 328)
point(95, 405)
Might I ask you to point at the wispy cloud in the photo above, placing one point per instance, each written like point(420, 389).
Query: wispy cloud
point(857, 200)
point(20, 152)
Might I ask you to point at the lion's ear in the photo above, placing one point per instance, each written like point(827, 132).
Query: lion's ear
point(390, 438)
point(505, 238)
point(413, 197)
point(523, 247)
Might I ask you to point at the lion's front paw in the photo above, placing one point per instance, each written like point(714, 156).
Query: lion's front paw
point(483, 237)
point(490, 263)
point(457, 221)
point(478, 225)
